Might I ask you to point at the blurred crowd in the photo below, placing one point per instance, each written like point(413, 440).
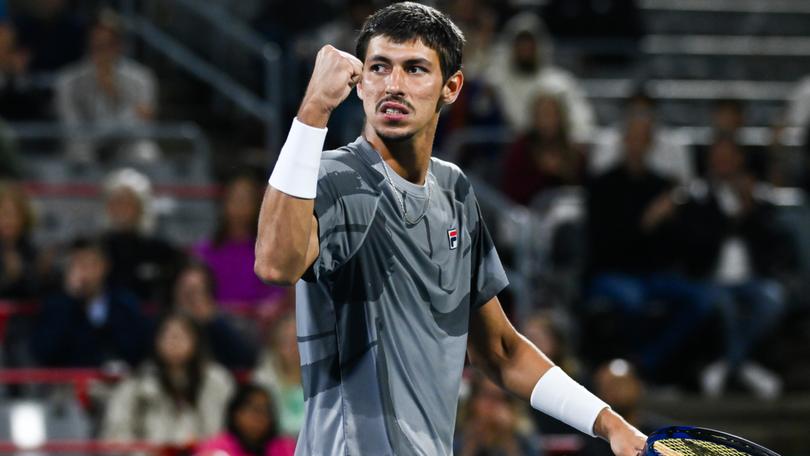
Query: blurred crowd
point(684, 268)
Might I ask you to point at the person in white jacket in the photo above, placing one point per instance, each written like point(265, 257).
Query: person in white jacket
point(523, 66)
point(177, 398)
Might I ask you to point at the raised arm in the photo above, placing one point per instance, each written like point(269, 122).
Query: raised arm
point(287, 239)
point(513, 362)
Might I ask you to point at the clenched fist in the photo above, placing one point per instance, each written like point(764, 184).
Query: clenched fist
point(335, 74)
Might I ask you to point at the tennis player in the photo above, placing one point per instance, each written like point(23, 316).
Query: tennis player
point(400, 275)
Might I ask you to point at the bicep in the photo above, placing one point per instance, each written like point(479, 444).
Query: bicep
point(490, 334)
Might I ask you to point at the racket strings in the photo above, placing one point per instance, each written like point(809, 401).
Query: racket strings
point(691, 447)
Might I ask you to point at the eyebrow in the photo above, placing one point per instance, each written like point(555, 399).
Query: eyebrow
point(413, 61)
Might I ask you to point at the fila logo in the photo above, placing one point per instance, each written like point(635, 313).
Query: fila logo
point(452, 236)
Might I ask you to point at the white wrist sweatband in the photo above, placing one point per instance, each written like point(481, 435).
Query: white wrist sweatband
point(296, 171)
point(559, 396)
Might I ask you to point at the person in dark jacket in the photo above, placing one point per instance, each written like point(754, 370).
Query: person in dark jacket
point(87, 323)
point(731, 237)
point(194, 296)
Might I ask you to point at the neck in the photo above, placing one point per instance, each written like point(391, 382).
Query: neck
point(409, 158)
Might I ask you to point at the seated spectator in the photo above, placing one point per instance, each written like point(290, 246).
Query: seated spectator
point(279, 371)
point(633, 257)
point(107, 92)
point(18, 275)
point(669, 155)
point(545, 329)
point(178, 397)
point(524, 67)
point(735, 242)
point(617, 383)
point(544, 157)
point(194, 292)
point(51, 32)
point(230, 253)
point(87, 323)
point(494, 423)
point(728, 117)
point(251, 427)
point(139, 261)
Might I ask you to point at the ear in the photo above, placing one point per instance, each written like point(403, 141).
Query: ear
point(452, 88)
point(359, 88)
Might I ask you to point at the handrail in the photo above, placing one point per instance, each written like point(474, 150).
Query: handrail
point(187, 131)
point(726, 45)
point(690, 89)
point(92, 447)
point(268, 109)
point(729, 6)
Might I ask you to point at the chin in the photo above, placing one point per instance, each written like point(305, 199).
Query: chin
point(394, 136)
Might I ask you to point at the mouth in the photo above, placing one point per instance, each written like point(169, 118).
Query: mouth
point(393, 112)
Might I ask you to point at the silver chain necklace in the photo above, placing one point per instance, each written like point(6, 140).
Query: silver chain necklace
point(397, 192)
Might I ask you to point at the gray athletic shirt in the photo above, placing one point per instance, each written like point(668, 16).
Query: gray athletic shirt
point(383, 313)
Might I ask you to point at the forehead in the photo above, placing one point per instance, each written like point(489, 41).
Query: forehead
point(384, 46)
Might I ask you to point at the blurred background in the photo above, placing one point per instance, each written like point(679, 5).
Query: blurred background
point(642, 165)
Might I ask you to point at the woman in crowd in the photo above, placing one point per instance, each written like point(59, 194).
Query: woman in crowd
point(251, 428)
point(545, 156)
point(177, 398)
point(280, 372)
point(17, 254)
point(229, 253)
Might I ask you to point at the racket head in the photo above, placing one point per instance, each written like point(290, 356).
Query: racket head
point(696, 441)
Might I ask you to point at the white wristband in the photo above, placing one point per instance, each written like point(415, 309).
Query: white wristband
point(296, 171)
point(559, 396)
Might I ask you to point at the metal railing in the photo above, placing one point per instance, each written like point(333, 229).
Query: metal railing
point(268, 108)
point(199, 168)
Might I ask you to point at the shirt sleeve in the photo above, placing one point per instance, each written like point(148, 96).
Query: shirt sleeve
point(341, 209)
point(488, 276)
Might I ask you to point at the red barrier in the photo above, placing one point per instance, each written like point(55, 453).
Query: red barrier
point(98, 447)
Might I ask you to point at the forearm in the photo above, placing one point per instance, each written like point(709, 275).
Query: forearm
point(518, 366)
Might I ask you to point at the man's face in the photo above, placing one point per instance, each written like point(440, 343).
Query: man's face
point(104, 45)
point(402, 88)
point(87, 269)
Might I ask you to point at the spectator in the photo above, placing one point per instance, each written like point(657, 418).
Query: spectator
point(545, 329)
point(668, 156)
point(194, 292)
point(51, 33)
point(230, 254)
point(544, 157)
point(88, 324)
point(735, 241)
point(525, 66)
point(279, 371)
point(107, 92)
point(494, 424)
point(632, 253)
point(176, 398)
point(139, 261)
point(617, 383)
point(18, 275)
point(251, 428)
point(728, 118)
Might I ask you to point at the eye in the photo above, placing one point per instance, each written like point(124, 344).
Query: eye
point(376, 67)
point(416, 69)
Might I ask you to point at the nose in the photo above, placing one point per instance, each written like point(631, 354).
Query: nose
point(394, 81)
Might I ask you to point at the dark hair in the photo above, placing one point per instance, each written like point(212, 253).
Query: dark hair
point(220, 235)
point(193, 264)
point(87, 243)
point(189, 392)
point(406, 21)
point(239, 399)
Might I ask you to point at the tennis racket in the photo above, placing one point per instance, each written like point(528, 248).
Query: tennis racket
point(695, 441)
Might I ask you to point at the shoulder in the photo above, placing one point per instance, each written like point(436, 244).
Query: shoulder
point(450, 177)
point(135, 70)
point(345, 172)
point(216, 376)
